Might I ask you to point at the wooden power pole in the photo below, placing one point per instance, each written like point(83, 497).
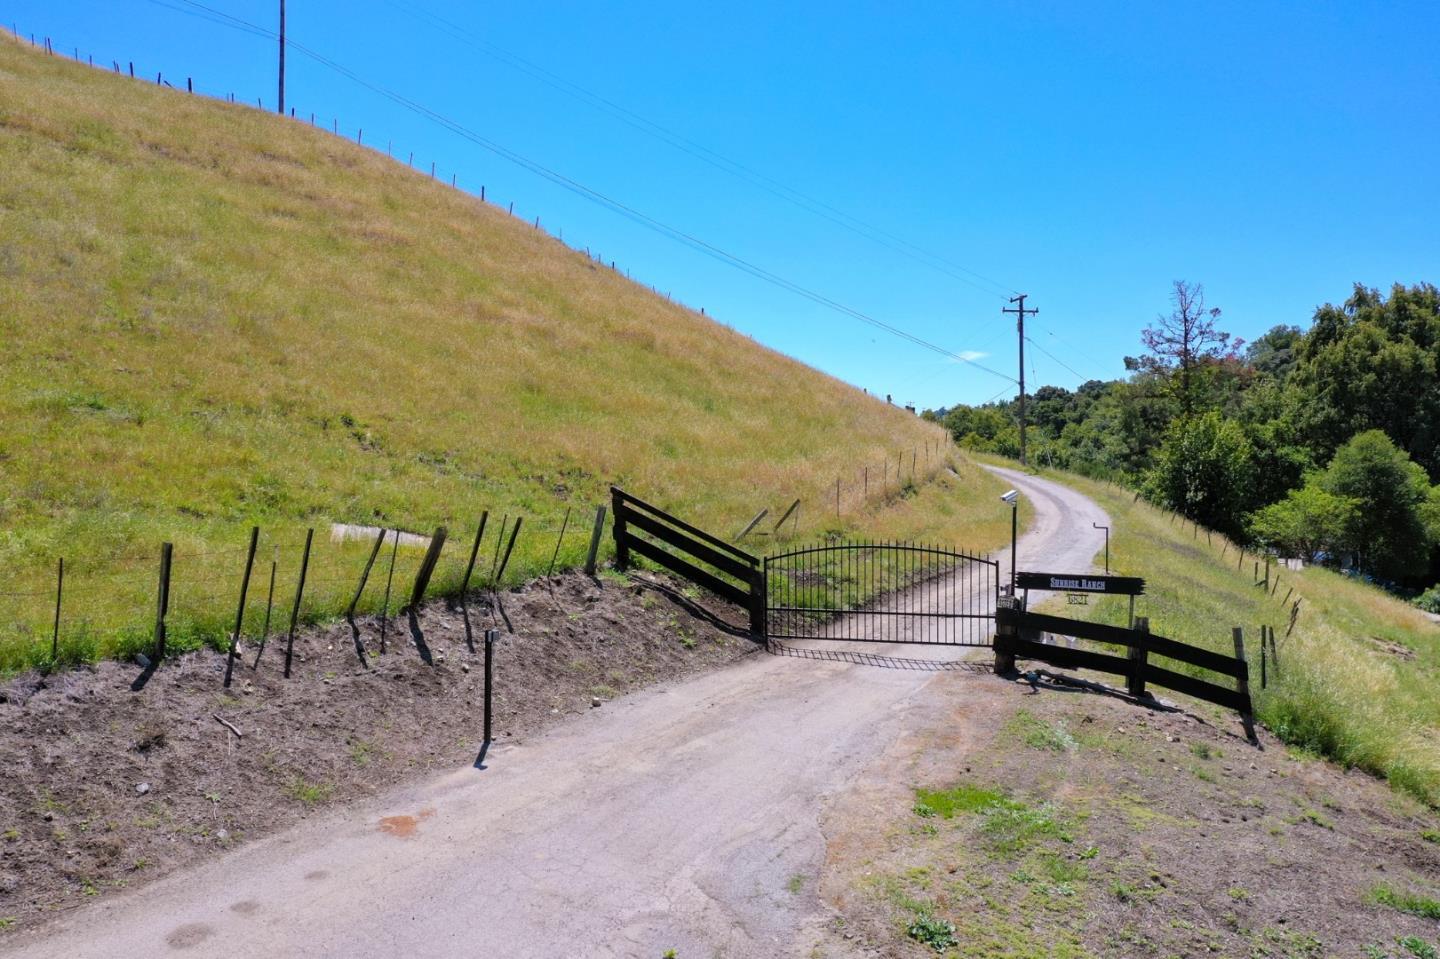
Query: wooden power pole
point(1020, 313)
point(280, 100)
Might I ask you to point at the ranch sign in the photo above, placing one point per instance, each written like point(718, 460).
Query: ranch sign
point(1081, 583)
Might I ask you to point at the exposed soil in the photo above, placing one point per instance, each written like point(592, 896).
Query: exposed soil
point(105, 787)
point(1120, 832)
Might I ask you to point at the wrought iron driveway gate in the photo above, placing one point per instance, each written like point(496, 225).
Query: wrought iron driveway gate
point(882, 593)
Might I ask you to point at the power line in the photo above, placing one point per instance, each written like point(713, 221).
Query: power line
point(717, 160)
point(580, 189)
point(1053, 357)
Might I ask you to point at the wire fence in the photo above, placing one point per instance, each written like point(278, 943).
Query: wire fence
point(75, 609)
point(316, 120)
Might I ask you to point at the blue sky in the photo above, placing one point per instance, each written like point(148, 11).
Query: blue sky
point(1086, 154)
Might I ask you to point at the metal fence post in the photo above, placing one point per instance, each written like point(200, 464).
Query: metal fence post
point(299, 592)
point(240, 612)
point(490, 636)
point(162, 599)
point(59, 592)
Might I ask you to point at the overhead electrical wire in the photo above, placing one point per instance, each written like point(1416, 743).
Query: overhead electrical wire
point(715, 159)
point(1053, 357)
point(601, 199)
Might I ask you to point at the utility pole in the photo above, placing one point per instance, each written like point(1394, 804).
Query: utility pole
point(281, 98)
point(1020, 313)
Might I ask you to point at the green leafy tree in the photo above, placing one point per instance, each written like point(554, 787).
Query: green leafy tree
point(1307, 522)
point(1373, 363)
point(1387, 533)
point(1203, 471)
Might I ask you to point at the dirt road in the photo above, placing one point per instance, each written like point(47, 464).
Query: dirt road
point(682, 818)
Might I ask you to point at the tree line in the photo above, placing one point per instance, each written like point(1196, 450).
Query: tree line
point(1321, 442)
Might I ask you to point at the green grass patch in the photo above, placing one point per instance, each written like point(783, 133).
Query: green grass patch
point(1027, 728)
point(964, 798)
point(1416, 905)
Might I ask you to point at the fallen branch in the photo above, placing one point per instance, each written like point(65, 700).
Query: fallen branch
point(228, 725)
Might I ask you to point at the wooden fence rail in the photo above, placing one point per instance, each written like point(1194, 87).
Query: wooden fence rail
point(675, 545)
point(1013, 624)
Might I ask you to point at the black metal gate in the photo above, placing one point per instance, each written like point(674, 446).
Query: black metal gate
point(882, 593)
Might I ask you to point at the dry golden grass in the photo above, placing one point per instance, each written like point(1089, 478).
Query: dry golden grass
point(214, 317)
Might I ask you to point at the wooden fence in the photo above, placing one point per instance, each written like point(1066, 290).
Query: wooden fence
point(732, 573)
point(1012, 625)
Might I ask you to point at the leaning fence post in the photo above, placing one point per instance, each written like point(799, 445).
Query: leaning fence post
point(162, 599)
point(1274, 651)
point(595, 534)
point(240, 612)
point(474, 551)
point(560, 539)
point(59, 591)
point(427, 566)
point(751, 525)
point(781, 522)
point(365, 574)
point(299, 591)
point(1139, 656)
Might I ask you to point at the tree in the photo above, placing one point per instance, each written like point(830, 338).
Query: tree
point(1183, 344)
point(1202, 471)
point(1388, 534)
point(1373, 363)
point(1307, 522)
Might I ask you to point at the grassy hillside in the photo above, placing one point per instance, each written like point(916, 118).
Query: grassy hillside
point(1357, 676)
point(214, 317)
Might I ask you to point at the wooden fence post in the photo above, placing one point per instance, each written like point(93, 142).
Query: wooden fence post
point(781, 522)
point(428, 564)
point(1274, 651)
point(240, 612)
point(1139, 656)
point(759, 604)
point(1242, 682)
point(595, 535)
point(622, 546)
point(751, 525)
point(162, 599)
point(299, 591)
